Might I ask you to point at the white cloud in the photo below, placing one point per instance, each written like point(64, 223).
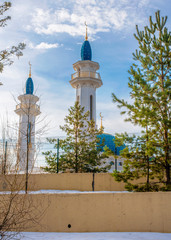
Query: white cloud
point(43, 45)
point(101, 16)
point(69, 49)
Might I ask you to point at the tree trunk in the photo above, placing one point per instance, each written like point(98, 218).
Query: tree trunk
point(167, 162)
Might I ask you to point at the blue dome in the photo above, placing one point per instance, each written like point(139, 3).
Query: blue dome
point(86, 51)
point(109, 142)
point(29, 86)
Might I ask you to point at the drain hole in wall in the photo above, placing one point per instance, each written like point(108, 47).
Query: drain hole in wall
point(69, 225)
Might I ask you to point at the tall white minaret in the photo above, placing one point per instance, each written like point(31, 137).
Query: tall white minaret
point(85, 80)
point(27, 109)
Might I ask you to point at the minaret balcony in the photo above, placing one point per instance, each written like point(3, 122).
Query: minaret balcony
point(26, 106)
point(33, 109)
point(85, 74)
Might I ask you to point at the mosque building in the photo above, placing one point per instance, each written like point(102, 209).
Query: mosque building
point(85, 80)
point(27, 109)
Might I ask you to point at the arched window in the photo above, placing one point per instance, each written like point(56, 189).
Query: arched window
point(91, 107)
point(29, 132)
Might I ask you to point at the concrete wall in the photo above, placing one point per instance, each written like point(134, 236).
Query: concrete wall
point(64, 181)
point(101, 212)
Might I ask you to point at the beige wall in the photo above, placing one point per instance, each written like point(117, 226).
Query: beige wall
point(63, 181)
point(88, 212)
point(101, 212)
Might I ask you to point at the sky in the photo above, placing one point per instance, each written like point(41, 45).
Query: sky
point(54, 31)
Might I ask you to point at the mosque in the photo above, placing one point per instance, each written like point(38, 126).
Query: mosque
point(85, 80)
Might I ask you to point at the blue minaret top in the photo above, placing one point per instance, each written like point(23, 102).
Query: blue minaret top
point(29, 84)
point(86, 53)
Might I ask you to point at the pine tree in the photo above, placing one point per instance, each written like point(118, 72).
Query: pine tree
point(75, 142)
point(81, 149)
point(150, 91)
point(51, 157)
point(137, 164)
point(94, 155)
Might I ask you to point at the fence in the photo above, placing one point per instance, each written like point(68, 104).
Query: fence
point(64, 181)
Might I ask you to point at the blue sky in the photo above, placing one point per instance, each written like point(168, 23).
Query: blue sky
point(54, 31)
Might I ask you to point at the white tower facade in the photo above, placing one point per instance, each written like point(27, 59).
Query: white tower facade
point(86, 79)
point(27, 109)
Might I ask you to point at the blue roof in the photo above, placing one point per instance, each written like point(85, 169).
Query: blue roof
point(29, 86)
point(109, 142)
point(86, 53)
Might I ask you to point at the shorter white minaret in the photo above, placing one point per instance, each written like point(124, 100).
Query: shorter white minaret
point(86, 79)
point(27, 109)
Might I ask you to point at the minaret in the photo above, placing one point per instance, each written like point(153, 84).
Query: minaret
point(85, 80)
point(101, 125)
point(27, 109)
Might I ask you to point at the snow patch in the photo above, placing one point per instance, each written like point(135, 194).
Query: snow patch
point(49, 191)
point(96, 236)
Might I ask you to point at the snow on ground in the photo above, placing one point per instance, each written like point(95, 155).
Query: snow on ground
point(96, 236)
point(62, 191)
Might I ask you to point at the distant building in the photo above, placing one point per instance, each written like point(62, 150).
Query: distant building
point(115, 160)
point(27, 109)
